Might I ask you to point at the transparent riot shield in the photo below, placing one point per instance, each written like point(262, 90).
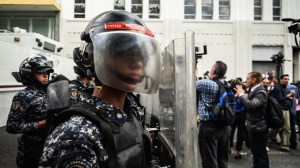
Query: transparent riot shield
point(57, 99)
point(174, 105)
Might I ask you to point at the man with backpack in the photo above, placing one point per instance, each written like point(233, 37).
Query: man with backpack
point(255, 105)
point(285, 100)
point(213, 138)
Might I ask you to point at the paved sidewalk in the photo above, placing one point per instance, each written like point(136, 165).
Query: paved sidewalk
point(8, 149)
point(278, 159)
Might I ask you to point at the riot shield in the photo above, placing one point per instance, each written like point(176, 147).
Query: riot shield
point(57, 99)
point(58, 95)
point(175, 105)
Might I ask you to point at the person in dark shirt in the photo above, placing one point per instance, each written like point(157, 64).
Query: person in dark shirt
point(285, 100)
point(239, 124)
point(28, 110)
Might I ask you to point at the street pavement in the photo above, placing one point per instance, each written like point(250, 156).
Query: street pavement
point(278, 159)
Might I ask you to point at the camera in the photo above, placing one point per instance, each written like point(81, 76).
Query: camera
point(294, 28)
point(278, 58)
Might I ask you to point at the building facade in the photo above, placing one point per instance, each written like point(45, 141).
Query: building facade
point(245, 34)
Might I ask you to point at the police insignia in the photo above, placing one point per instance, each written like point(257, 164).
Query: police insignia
point(16, 105)
point(119, 116)
point(74, 93)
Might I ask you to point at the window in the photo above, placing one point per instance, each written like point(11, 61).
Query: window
point(79, 9)
point(276, 10)
point(43, 25)
point(119, 5)
point(154, 9)
point(261, 60)
point(23, 23)
point(3, 23)
point(257, 9)
point(137, 7)
point(189, 9)
point(224, 9)
point(207, 9)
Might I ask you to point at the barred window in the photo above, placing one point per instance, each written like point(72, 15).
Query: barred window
point(224, 9)
point(79, 9)
point(189, 9)
point(207, 9)
point(119, 5)
point(154, 9)
point(276, 10)
point(257, 9)
point(137, 7)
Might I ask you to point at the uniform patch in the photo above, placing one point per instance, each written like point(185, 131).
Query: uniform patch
point(16, 105)
point(74, 93)
point(119, 116)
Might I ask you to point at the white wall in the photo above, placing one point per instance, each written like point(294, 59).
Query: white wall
point(230, 41)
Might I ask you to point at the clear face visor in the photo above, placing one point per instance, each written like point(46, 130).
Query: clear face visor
point(128, 61)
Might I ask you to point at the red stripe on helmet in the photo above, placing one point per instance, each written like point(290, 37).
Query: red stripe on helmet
point(124, 26)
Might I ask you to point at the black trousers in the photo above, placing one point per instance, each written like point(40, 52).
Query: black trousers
point(214, 145)
point(239, 124)
point(298, 121)
point(293, 137)
point(29, 153)
point(258, 143)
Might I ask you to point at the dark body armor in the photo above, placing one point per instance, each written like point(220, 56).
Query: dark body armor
point(124, 141)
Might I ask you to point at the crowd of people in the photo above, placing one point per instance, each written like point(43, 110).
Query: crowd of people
point(250, 122)
point(103, 125)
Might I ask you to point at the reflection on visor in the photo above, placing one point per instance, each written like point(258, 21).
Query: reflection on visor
point(127, 45)
point(41, 60)
point(128, 61)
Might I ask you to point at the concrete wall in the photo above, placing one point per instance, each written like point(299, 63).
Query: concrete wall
point(231, 41)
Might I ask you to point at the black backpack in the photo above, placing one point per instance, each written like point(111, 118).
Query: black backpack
point(274, 116)
point(224, 109)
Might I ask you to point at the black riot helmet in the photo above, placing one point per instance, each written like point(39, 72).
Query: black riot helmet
point(37, 63)
point(83, 56)
point(124, 53)
point(80, 71)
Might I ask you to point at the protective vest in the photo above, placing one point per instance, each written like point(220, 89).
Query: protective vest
point(127, 146)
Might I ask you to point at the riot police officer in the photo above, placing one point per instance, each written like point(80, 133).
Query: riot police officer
point(83, 79)
point(28, 110)
point(106, 130)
